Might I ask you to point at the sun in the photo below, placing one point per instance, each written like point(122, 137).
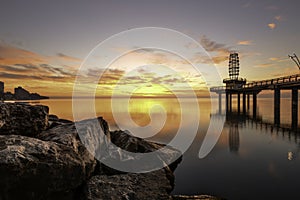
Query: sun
point(151, 90)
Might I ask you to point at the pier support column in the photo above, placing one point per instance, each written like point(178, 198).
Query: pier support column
point(244, 103)
point(239, 102)
point(227, 101)
point(295, 108)
point(230, 102)
point(220, 103)
point(254, 104)
point(248, 101)
point(277, 106)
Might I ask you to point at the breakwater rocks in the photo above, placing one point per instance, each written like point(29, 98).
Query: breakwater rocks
point(43, 157)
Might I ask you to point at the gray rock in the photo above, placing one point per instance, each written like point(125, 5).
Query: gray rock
point(35, 169)
point(67, 134)
point(154, 185)
point(22, 119)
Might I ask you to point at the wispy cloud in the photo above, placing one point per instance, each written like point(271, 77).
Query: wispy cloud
point(23, 67)
point(219, 52)
point(69, 58)
point(213, 46)
point(244, 42)
point(264, 65)
point(279, 18)
point(272, 26)
point(272, 7)
point(12, 55)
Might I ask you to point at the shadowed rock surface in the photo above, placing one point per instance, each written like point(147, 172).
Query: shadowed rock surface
point(22, 119)
point(153, 185)
point(32, 168)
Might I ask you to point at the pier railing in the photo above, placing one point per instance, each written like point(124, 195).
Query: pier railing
point(276, 81)
point(264, 84)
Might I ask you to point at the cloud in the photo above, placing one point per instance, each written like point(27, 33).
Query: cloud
point(40, 72)
point(68, 58)
point(272, 7)
point(212, 46)
point(279, 59)
point(264, 65)
point(219, 52)
point(18, 76)
point(278, 18)
point(17, 63)
point(272, 26)
point(13, 55)
point(244, 42)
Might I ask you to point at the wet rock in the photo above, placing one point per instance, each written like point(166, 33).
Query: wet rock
point(154, 185)
point(34, 169)
point(22, 119)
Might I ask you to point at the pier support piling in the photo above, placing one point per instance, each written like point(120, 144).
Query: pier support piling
point(277, 106)
point(220, 103)
point(248, 101)
point(239, 102)
point(254, 104)
point(244, 103)
point(227, 102)
point(230, 102)
point(295, 108)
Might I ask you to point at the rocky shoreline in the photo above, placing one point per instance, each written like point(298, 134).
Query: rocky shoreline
point(42, 157)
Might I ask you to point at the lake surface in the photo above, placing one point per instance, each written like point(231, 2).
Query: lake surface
point(252, 159)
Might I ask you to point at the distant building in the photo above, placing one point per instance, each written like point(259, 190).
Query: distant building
point(1, 88)
point(8, 96)
point(21, 94)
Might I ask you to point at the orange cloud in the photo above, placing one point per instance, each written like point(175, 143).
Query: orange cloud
point(245, 42)
point(264, 65)
point(11, 55)
point(272, 26)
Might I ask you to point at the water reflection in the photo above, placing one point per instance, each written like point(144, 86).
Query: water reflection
point(234, 138)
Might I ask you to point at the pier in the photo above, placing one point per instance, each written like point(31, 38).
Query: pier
point(243, 90)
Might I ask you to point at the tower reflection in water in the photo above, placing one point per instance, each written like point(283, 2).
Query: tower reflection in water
point(236, 121)
point(234, 138)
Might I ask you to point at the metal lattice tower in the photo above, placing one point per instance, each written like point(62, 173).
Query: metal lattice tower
point(234, 66)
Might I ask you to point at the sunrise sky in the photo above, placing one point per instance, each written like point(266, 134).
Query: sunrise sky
point(43, 43)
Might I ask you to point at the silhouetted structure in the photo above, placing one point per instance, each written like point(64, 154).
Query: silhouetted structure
point(235, 85)
point(1, 89)
point(20, 94)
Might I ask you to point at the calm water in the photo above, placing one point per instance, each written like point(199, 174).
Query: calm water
point(251, 160)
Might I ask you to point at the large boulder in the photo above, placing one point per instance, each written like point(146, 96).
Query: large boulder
point(153, 185)
point(92, 132)
point(23, 119)
point(34, 169)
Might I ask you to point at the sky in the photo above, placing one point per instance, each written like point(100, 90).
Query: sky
point(43, 43)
